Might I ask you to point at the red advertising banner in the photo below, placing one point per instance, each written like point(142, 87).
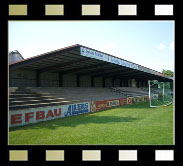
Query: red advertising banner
point(123, 101)
point(100, 105)
point(104, 104)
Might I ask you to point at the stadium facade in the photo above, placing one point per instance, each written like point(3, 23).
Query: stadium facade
point(79, 67)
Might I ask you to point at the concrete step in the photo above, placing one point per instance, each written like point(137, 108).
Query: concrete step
point(20, 98)
point(70, 92)
point(45, 98)
point(19, 102)
point(24, 98)
point(28, 95)
point(23, 92)
point(23, 95)
point(12, 89)
point(27, 106)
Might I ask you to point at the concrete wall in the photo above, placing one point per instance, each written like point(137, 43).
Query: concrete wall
point(124, 83)
point(49, 79)
point(108, 82)
point(140, 83)
point(85, 81)
point(22, 78)
point(143, 84)
point(69, 80)
point(132, 83)
point(98, 82)
point(117, 83)
point(129, 82)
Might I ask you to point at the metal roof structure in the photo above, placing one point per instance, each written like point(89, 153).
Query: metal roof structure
point(83, 60)
point(15, 56)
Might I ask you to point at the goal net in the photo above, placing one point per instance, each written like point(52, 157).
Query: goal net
point(160, 93)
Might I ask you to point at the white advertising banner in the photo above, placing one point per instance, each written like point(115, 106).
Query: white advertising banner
point(104, 57)
point(34, 115)
point(93, 54)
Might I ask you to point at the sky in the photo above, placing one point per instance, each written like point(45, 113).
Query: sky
point(148, 43)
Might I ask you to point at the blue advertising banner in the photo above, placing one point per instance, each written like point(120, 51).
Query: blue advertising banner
point(75, 109)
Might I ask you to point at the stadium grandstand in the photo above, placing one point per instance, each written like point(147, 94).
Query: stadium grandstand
point(74, 74)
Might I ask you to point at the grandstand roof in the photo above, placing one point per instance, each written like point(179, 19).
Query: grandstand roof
point(83, 60)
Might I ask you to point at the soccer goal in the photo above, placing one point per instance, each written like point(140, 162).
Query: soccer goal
point(160, 93)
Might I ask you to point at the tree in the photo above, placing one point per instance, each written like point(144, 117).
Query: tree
point(167, 72)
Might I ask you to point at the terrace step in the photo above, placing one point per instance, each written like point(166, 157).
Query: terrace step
point(32, 97)
point(27, 106)
point(18, 102)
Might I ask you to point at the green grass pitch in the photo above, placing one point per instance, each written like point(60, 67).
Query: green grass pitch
point(135, 124)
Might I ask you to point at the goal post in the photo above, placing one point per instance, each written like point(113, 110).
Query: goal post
point(160, 93)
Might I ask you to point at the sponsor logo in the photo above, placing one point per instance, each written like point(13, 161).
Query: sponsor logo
point(113, 103)
point(92, 106)
point(76, 109)
point(129, 100)
point(28, 117)
point(23, 117)
point(102, 106)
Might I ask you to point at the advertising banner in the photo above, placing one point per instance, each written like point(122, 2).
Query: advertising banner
point(137, 99)
point(104, 57)
point(94, 54)
point(100, 105)
point(92, 106)
point(104, 104)
point(123, 101)
point(146, 98)
point(129, 100)
point(27, 116)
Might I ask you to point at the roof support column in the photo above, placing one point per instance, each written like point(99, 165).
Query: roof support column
point(137, 83)
point(103, 82)
point(60, 79)
point(37, 79)
point(146, 83)
point(133, 83)
point(92, 81)
point(112, 82)
point(121, 82)
point(78, 80)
